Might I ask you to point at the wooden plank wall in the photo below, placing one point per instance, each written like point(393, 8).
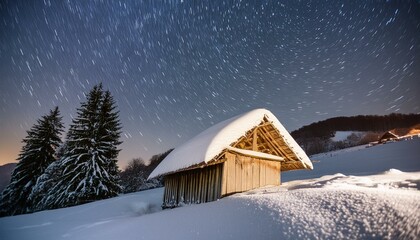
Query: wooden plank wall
point(236, 174)
point(193, 186)
point(243, 173)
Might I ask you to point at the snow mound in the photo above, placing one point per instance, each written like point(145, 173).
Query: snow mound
point(393, 171)
point(337, 213)
point(141, 208)
point(401, 180)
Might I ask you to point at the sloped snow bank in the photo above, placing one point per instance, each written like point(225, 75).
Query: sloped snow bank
point(363, 160)
point(63, 223)
point(391, 179)
point(382, 206)
point(332, 213)
point(337, 205)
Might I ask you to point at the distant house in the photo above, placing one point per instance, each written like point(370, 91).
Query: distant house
point(242, 153)
point(388, 136)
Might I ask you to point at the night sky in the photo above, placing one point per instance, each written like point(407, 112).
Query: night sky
point(177, 67)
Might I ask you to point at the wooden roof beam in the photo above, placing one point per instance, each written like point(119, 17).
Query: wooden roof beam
point(254, 140)
point(271, 140)
point(271, 144)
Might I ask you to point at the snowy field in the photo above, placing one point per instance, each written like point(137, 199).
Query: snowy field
point(363, 160)
point(342, 135)
point(382, 204)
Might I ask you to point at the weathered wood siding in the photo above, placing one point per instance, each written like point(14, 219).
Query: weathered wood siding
point(193, 186)
point(241, 173)
point(236, 174)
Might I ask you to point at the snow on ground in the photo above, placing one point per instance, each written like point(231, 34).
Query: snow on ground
point(335, 206)
point(342, 135)
point(363, 160)
point(62, 223)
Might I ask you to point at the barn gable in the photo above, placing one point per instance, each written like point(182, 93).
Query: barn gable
point(265, 138)
point(387, 137)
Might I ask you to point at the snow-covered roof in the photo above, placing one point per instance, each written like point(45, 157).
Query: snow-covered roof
point(210, 143)
point(389, 134)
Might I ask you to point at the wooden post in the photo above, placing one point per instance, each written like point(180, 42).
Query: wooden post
point(210, 185)
point(255, 173)
point(197, 185)
point(231, 173)
point(238, 174)
point(165, 194)
point(219, 180)
point(224, 179)
point(249, 173)
point(262, 173)
point(254, 140)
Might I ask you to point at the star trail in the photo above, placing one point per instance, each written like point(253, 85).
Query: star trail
point(177, 67)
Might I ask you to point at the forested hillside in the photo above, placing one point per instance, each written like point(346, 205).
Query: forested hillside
point(326, 128)
point(315, 138)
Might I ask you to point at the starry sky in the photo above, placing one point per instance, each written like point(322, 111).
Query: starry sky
point(177, 67)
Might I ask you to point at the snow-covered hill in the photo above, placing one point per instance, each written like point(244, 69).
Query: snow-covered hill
point(343, 135)
point(363, 160)
point(335, 206)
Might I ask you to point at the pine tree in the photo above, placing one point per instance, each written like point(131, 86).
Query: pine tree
point(37, 153)
point(39, 196)
point(109, 131)
point(88, 166)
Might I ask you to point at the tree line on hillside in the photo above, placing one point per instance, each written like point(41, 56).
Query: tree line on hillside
point(52, 174)
point(327, 128)
point(316, 137)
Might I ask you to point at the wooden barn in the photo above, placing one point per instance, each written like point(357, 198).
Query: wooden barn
point(242, 153)
point(388, 136)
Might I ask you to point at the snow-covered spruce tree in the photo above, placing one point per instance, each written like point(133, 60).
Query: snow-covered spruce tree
point(40, 192)
point(109, 132)
point(88, 166)
point(36, 154)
